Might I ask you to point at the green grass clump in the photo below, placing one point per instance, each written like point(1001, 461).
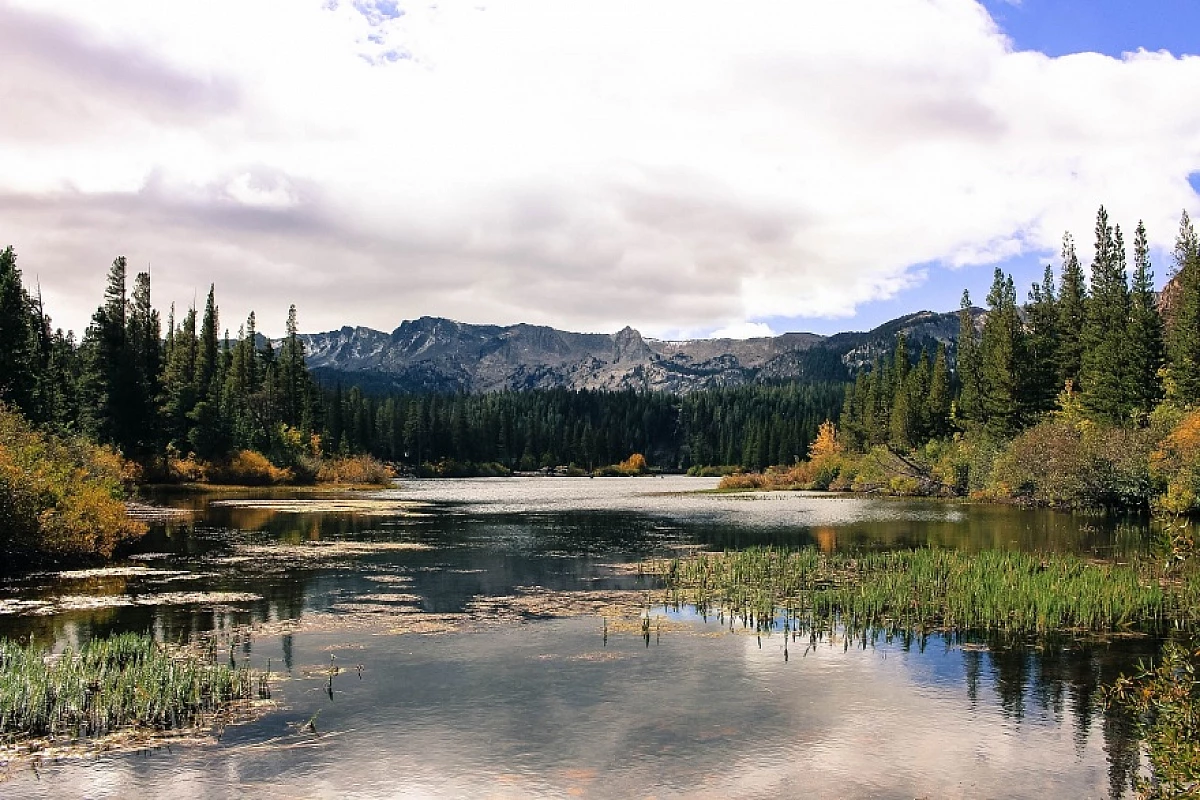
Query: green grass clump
point(921, 590)
point(128, 681)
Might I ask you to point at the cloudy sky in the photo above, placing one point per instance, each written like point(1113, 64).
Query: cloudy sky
point(683, 166)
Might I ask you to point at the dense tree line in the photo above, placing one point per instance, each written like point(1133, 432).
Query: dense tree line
point(151, 393)
point(899, 401)
point(750, 426)
point(187, 390)
point(1104, 342)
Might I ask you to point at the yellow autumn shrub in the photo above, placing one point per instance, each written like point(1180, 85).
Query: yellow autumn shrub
point(1176, 462)
point(59, 496)
point(355, 470)
point(250, 468)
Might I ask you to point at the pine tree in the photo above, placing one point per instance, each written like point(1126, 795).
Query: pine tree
point(207, 433)
point(294, 378)
point(206, 364)
point(1072, 315)
point(939, 399)
point(180, 392)
point(1183, 339)
point(1001, 352)
point(18, 372)
point(1041, 314)
point(1104, 386)
point(56, 367)
point(108, 387)
point(144, 339)
point(900, 418)
point(970, 397)
point(1144, 339)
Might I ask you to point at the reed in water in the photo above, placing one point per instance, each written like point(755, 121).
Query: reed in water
point(124, 682)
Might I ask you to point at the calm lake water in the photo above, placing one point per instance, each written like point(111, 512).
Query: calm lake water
point(432, 601)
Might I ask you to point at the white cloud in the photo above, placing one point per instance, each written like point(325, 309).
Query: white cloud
point(673, 165)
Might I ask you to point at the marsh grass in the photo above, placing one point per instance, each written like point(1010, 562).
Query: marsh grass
point(110, 685)
point(929, 590)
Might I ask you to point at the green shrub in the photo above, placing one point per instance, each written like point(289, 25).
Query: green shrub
point(1166, 701)
point(1059, 462)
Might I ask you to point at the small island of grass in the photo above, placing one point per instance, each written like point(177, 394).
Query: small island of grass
point(126, 685)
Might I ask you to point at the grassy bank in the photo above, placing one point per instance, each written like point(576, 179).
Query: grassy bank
point(127, 682)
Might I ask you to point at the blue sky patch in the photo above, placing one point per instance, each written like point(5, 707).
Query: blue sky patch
point(1112, 27)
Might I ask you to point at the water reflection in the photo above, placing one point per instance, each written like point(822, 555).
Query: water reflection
point(554, 708)
point(549, 710)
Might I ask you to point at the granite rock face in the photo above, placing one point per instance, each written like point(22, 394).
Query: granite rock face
point(435, 354)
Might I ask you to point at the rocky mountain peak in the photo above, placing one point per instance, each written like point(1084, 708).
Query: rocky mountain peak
point(629, 346)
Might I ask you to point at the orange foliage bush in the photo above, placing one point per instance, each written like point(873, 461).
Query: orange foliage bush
point(187, 470)
point(821, 471)
point(250, 468)
point(355, 470)
point(634, 465)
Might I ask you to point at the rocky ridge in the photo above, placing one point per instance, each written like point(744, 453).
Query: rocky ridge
point(437, 354)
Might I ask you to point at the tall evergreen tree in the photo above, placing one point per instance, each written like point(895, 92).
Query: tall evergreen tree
point(939, 399)
point(1001, 356)
point(56, 364)
point(293, 374)
point(1104, 383)
point(180, 392)
point(108, 386)
point(901, 419)
point(1041, 371)
point(1183, 337)
point(970, 396)
point(1144, 339)
point(143, 335)
point(208, 434)
point(207, 364)
point(17, 357)
point(1072, 315)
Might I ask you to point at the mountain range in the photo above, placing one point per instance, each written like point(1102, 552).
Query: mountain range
point(433, 354)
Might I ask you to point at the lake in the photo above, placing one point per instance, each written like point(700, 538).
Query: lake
point(473, 638)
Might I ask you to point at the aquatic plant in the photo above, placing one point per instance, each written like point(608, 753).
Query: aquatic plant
point(923, 590)
point(126, 681)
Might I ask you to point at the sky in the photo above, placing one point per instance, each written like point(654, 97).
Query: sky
point(687, 167)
